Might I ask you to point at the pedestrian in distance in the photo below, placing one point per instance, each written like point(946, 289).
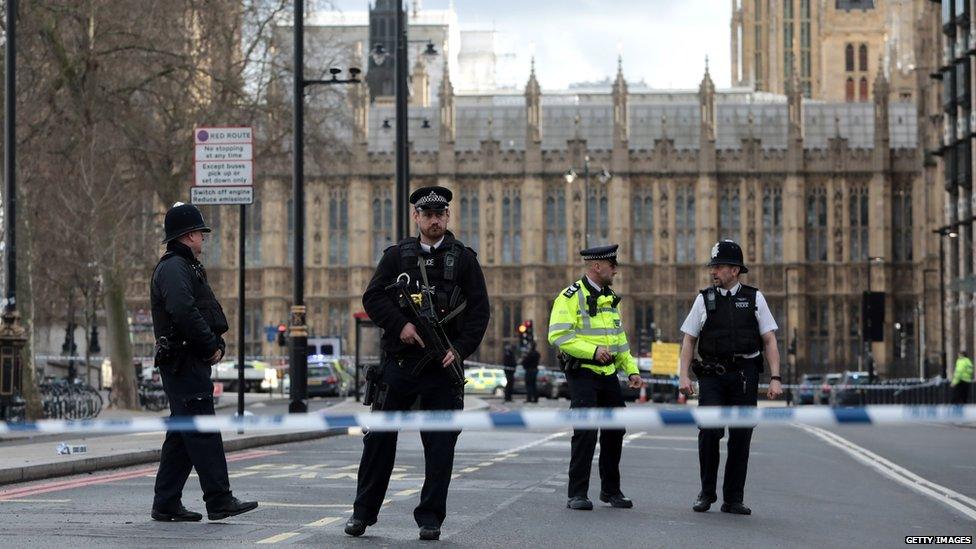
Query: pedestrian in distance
point(428, 295)
point(508, 365)
point(733, 330)
point(962, 379)
point(586, 326)
point(188, 323)
point(530, 362)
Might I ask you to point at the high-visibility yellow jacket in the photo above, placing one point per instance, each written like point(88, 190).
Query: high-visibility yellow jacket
point(964, 370)
point(577, 330)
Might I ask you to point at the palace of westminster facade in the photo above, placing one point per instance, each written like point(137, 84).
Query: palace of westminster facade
point(827, 199)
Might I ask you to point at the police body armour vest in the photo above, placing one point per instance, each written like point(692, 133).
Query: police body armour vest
point(731, 327)
point(441, 270)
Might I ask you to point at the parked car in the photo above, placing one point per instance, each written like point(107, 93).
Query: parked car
point(559, 386)
point(226, 372)
point(807, 392)
point(825, 388)
point(486, 381)
point(324, 380)
point(543, 381)
point(849, 390)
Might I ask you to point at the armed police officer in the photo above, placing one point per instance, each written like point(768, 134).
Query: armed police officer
point(429, 296)
point(585, 325)
point(188, 323)
point(734, 331)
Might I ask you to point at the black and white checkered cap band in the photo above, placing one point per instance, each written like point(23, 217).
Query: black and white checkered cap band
point(432, 198)
point(607, 255)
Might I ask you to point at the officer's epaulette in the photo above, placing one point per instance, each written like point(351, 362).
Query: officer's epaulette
point(572, 289)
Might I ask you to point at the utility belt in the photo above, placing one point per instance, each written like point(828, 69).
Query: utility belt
point(713, 368)
point(169, 353)
point(568, 363)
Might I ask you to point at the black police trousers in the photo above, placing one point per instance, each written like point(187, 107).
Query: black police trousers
point(531, 394)
point(588, 389)
point(190, 393)
point(436, 392)
point(509, 383)
point(733, 388)
point(960, 393)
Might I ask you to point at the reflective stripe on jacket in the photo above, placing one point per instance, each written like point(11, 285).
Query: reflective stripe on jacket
point(575, 332)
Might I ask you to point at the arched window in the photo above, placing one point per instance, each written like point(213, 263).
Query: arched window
point(849, 90)
point(863, 89)
point(849, 57)
point(862, 58)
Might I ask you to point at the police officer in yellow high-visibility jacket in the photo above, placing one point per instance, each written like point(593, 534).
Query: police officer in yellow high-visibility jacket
point(585, 325)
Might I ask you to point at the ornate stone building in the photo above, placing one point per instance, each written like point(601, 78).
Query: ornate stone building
point(811, 189)
point(835, 46)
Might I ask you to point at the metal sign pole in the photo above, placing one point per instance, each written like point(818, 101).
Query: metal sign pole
point(240, 318)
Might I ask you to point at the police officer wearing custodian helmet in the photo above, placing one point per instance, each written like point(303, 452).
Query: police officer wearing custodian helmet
point(734, 330)
point(188, 323)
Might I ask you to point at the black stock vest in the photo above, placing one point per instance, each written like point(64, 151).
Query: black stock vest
point(441, 266)
point(731, 327)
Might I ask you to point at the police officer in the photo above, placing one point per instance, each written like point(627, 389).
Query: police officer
point(962, 378)
point(434, 270)
point(188, 323)
point(733, 329)
point(585, 325)
point(508, 365)
point(530, 362)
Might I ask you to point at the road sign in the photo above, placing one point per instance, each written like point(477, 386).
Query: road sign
point(222, 195)
point(665, 358)
point(224, 166)
point(222, 136)
point(225, 173)
point(216, 153)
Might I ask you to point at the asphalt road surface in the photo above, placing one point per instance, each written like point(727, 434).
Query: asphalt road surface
point(807, 488)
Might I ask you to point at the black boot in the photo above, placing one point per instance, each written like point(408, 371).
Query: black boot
point(617, 500)
point(181, 514)
point(356, 527)
point(430, 533)
point(580, 503)
point(230, 508)
point(736, 509)
point(703, 503)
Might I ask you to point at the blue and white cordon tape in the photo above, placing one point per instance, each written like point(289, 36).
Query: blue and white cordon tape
point(585, 418)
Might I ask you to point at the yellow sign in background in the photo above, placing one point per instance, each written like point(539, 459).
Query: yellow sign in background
point(665, 358)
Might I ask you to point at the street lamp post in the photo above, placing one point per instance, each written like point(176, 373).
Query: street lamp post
point(298, 330)
point(13, 336)
point(947, 231)
point(604, 176)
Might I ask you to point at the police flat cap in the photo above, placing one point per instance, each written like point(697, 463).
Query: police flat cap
point(608, 253)
point(431, 198)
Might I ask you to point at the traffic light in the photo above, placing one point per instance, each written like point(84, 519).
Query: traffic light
point(282, 329)
point(525, 333)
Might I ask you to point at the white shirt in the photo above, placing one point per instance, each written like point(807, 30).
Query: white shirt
point(427, 247)
point(594, 284)
point(696, 318)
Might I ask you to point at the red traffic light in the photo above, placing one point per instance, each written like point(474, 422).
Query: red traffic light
point(282, 328)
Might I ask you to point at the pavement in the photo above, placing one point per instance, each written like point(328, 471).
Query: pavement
point(509, 489)
point(29, 456)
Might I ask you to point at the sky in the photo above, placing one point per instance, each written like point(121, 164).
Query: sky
point(662, 42)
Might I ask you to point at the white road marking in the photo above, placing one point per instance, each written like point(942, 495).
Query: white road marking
point(962, 503)
point(324, 522)
point(279, 537)
point(532, 444)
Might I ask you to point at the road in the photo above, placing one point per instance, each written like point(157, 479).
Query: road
point(510, 490)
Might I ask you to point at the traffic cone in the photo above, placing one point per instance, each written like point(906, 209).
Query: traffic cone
point(643, 393)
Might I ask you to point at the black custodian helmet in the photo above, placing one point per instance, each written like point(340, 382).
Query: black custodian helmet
point(727, 252)
point(182, 219)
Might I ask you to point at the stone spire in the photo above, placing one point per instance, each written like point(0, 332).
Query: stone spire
point(533, 108)
point(359, 95)
point(620, 119)
point(445, 97)
point(882, 92)
point(706, 103)
point(420, 84)
point(794, 100)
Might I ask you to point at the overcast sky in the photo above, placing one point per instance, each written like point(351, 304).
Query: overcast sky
point(663, 42)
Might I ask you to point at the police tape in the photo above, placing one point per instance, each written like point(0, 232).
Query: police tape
point(580, 418)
